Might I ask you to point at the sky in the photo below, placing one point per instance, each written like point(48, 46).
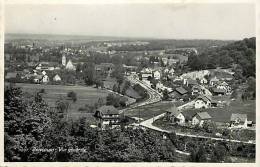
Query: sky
point(171, 21)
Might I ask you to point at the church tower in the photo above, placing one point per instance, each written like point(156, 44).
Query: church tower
point(63, 60)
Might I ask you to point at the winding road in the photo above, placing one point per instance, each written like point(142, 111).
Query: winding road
point(154, 96)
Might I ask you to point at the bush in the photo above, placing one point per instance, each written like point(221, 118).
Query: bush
point(72, 95)
point(42, 91)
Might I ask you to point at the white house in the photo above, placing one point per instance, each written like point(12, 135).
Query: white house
point(213, 81)
point(202, 101)
point(45, 79)
point(176, 115)
point(166, 70)
point(238, 120)
point(37, 79)
point(56, 78)
point(70, 66)
point(203, 81)
point(157, 75)
point(171, 71)
point(200, 118)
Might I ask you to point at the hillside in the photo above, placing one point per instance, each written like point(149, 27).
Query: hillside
point(239, 55)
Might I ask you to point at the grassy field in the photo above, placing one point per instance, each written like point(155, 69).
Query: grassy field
point(85, 95)
point(149, 111)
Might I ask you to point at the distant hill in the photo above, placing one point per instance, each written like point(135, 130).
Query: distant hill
point(52, 37)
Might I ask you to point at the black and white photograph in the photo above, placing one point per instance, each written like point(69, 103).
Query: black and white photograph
point(129, 82)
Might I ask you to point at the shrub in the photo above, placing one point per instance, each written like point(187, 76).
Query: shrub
point(72, 95)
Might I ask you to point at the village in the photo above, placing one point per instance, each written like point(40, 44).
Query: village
point(209, 92)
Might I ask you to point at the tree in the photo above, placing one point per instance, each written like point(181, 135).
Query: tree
point(209, 126)
point(26, 124)
point(198, 155)
point(72, 95)
point(118, 73)
point(219, 153)
point(165, 94)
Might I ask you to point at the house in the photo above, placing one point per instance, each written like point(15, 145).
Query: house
point(224, 86)
point(177, 117)
point(130, 69)
point(238, 120)
point(174, 115)
point(107, 116)
point(190, 82)
point(203, 81)
point(196, 90)
point(171, 72)
point(200, 118)
point(146, 72)
point(56, 78)
point(178, 93)
point(188, 115)
point(218, 92)
point(202, 101)
point(45, 79)
point(166, 70)
point(213, 81)
point(157, 75)
point(48, 66)
point(70, 66)
point(37, 78)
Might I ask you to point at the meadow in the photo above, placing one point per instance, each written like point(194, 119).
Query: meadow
point(85, 95)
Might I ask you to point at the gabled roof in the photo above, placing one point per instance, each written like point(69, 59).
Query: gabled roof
point(106, 110)
point(174, 111)
point(181, 90)
point(189, 114)
point(204, 115)
point(241, 117)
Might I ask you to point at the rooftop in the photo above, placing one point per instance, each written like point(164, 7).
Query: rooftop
point(236, 116)
point(107, 110)
point(181, 90)
point(204, 115)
